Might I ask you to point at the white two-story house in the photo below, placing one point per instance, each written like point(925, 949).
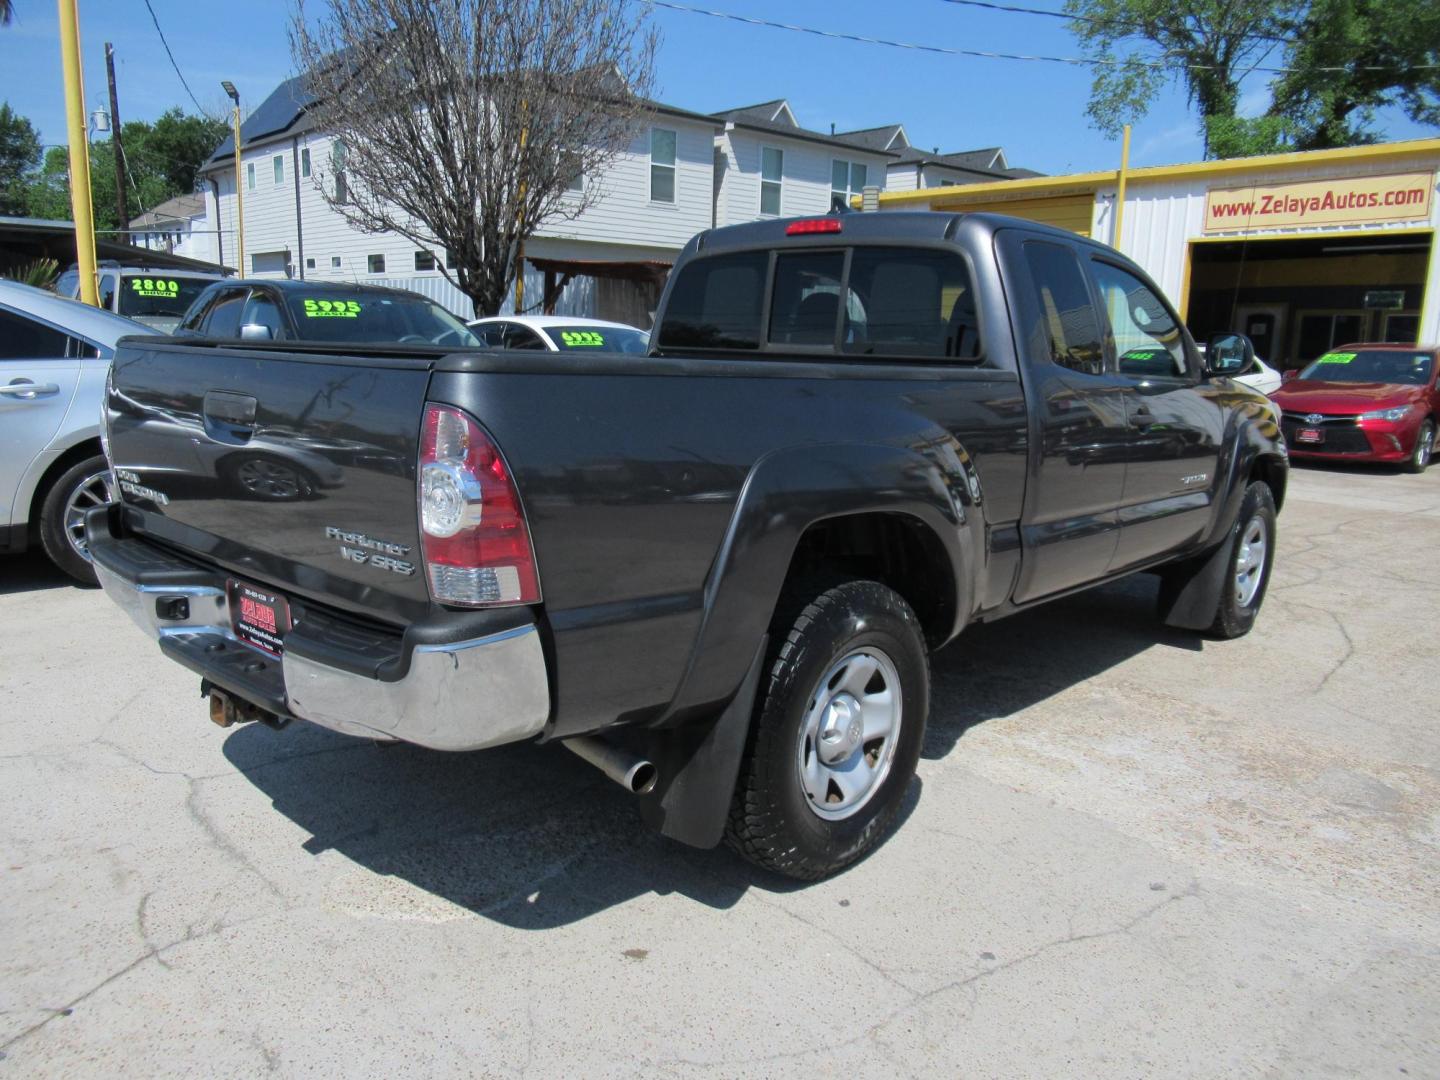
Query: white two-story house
point(767, 165)
point(611, 260)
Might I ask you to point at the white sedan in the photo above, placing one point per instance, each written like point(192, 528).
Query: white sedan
point(54, 355)
point(1263, 378)
point(559, 333)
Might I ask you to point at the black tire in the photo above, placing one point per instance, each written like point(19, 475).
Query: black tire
point(1232, 618)
point(1424, 448)
point(54, 529)
point(772, 821)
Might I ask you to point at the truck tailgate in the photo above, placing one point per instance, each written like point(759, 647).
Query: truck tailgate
point(288, 469)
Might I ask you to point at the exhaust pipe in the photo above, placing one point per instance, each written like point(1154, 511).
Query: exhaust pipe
point(632, 772)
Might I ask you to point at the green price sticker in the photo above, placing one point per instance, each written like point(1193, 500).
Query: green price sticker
point(332, 309)
point(583, 339)
point(1336, 358)
point(154, 287)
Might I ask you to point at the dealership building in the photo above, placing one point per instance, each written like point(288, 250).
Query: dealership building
point(1300, 251)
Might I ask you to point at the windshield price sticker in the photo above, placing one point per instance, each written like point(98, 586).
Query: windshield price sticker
point(1336, 358)
point(582, 339)
point(332, 309)
point(154, 287)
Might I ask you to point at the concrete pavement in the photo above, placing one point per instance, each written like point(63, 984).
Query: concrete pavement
point(1129, 853)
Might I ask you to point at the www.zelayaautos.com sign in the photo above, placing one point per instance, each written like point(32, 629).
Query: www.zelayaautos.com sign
point(1354, 200)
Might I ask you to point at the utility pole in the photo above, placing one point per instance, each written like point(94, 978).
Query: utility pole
point(123, 222)
point(80, 206)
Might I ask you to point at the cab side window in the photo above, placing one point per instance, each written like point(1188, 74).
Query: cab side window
point(521, 337)
point(1148, 340)
point(491, 335)
point(1071, 324)
point(261, 310)
point(223, 318)
point(26, 339)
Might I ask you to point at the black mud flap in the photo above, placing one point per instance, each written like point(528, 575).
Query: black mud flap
point(698, 764)
point(1190, 591)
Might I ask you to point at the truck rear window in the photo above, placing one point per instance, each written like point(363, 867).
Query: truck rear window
point(892, 302)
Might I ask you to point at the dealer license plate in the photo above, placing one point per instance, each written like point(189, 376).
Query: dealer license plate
point(261, 618)
point(1310, 435)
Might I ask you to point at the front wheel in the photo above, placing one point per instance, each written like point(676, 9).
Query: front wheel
point(836, 735)
point(82, 487)
point(1424, 448)
point(1252, 554)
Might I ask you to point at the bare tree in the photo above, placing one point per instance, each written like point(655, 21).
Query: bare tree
point(465, 123)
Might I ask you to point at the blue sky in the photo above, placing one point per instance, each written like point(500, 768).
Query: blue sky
point(1035, 110)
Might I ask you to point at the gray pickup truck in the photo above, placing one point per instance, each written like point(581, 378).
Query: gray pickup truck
point(716, 571)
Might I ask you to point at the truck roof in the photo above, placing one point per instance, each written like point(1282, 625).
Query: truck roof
point(863, 227)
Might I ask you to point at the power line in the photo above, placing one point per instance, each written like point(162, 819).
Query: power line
point(1075, 61)
point(1124, 24)
point(203, 111)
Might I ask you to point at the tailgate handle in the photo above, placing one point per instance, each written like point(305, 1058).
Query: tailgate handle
point(229, 417)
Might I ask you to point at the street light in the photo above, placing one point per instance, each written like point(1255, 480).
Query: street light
point(234, 95)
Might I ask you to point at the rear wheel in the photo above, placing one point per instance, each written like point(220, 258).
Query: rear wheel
point(81, 488)
point(837, 732)
point(1424, 449)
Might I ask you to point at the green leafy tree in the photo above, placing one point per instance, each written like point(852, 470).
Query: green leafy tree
point(1387, 54)
point(1141, 46)
point(176, 145)
point(19, 158)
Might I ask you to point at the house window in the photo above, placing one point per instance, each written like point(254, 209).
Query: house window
point(772, 171)
point(449, 261)
point(278, 164)
point(250, 177)
point(305, 162)
point(377, 264)
point(337, 162)
point(309, 264)
point(335, 262)
point(662, 165)
point(847, 178)
point(424, 260)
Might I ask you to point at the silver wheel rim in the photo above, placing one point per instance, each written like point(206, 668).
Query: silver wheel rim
point(851, 729)
point(95, 490)
point(1424, 447)
point(268, 479)
point(1250, 561)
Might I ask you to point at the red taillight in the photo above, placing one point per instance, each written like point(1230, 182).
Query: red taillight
point(813, 225)
point(472, 529)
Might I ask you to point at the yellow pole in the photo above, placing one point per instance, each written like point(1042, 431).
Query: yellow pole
point(239, 201)
point(1120, 193)
point(520, 247)
point(80, 206)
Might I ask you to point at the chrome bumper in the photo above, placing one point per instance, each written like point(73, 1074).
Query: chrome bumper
point(464, 695)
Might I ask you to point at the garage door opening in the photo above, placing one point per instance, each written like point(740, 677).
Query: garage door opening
point(1298, 298)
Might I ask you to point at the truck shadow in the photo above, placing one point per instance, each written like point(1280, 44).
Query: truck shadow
point(32, 572)
point(533, 838)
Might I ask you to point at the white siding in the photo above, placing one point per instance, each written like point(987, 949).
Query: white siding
point(806, 185)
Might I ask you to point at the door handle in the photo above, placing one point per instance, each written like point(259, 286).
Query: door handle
point(29, 391)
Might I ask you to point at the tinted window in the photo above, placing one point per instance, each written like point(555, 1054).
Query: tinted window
point(142, 296)
point(356, 316)
point(715, 303)
point(223, 320)
point(26, 339)
point(620, 339)
point(261, 310)
point(521, 337)
point(1373, 365)
point(1071, 325)
point(909, 302)
point(1148, 341)
point(806, 305)
point(490, 333)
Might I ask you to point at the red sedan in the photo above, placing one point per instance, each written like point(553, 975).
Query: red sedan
point(1364, 403)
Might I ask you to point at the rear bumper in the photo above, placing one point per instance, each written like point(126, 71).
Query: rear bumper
point(480, 689)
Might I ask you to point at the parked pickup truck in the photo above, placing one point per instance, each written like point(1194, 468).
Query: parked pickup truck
point(716, 571)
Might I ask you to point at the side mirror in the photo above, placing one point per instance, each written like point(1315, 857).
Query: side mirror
point(1289, 375)
point(256, 332)
point(1229, 355)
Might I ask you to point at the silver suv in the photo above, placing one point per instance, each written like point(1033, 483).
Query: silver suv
point(155, 297)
